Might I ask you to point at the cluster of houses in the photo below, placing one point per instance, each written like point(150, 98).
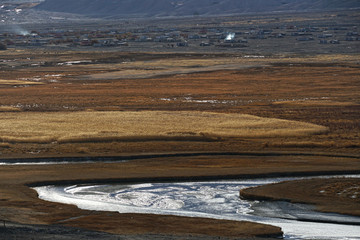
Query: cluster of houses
point(221, 37)
point(69, 38)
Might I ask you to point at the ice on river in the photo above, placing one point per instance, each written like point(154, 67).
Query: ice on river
point(218, 200)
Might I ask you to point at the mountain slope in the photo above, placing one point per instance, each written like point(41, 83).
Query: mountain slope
point(188, 7)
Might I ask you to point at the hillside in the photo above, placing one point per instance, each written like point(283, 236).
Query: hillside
point(108, 8)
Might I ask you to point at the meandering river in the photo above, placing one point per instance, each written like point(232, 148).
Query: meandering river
point(216, 199)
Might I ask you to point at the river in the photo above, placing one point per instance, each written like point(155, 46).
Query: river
point(216, 199)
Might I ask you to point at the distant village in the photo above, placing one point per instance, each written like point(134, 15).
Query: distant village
point(192, 35)
point(175, 37)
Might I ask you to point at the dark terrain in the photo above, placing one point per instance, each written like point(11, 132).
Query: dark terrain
point(146, 8)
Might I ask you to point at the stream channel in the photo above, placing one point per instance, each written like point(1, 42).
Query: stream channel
point(215, 199)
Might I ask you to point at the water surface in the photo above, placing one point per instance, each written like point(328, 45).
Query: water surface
point(218, 199)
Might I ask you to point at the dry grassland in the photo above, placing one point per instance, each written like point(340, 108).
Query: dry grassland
point(73, 114)
point(322, 103)
point(18, 82)
point(65, 127)
point(117, 65)
point(321, 90)
point(9, 109)
point(181, 65)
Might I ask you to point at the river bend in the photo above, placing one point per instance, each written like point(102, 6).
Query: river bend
point(216, 199)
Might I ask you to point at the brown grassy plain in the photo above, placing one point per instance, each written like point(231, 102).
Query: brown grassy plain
point(321, 90)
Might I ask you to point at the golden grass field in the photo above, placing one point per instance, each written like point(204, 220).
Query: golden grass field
point(9, 109)
point(89, 126)
point(18, 82)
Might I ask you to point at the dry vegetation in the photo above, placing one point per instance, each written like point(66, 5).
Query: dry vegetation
point(144, 125)
point(9, 109)
point(296, 115)
point(18, 82)
point(272, 108)
point(321, 90)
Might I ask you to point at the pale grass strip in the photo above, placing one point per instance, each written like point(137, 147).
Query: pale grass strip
point(144, 125)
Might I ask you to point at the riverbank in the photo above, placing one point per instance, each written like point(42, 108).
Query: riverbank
point(12, 230)
point(340, 195)
point(19, 203)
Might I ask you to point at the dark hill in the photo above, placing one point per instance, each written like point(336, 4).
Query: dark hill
point(126, 8)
